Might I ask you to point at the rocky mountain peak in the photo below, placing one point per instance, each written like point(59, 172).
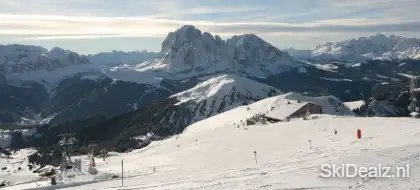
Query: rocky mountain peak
point(251, 49)
point(189, 52)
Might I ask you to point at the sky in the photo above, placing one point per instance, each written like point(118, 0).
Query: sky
point(91, 26)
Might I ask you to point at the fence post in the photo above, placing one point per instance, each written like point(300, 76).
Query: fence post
point(122, 172)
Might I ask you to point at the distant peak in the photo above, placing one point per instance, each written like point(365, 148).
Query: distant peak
point(241, 40)
point(188, 27)
point(380, 35)
point(188, 30)
point(57, 49)
point(246, 37)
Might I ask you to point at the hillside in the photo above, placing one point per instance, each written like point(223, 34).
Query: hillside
point(222, 93)
point(215, 153)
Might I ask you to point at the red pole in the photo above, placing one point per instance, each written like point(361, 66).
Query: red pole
point(359, 133)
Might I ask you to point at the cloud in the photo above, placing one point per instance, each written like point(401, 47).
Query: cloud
point(47, 27)
point(292, 21)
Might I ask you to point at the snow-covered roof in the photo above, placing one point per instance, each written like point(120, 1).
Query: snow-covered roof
point(283, 111)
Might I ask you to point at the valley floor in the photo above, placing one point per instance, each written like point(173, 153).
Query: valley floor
point(216, 154)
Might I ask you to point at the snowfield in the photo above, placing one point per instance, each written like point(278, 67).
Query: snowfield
point(218, 153)
point(354, 104)
point(222, 85)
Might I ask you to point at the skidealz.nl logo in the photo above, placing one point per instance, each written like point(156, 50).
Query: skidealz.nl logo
point(352, 170)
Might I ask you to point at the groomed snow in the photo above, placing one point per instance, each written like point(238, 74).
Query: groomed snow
point(221, 86)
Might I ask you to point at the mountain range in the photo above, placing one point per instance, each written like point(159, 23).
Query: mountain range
point(195, 75)
point(363, 49)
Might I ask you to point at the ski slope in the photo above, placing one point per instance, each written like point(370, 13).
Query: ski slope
point(218, 153)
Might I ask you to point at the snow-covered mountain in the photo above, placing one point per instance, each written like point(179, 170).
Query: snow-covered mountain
point(116, 58)
point(187, 56)
point(222, 93)
point(188, 52)
point(298, 54)
point(365, 48)
point(60, 85)
point(21, 64)
point(22, 58)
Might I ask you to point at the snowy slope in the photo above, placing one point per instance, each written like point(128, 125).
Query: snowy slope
point(354, 104)
point(222, 93)
point(373, 47)
point(116, 58)
point(216, 154)
point(223, 85)
point(213, 154)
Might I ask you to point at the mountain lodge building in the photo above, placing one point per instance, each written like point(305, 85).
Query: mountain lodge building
point(286, 112)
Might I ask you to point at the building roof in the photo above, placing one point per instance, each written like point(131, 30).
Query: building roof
point(283, 111)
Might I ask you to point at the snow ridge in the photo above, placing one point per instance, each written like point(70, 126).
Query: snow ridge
point(116, 58)
point(222, 93)
point(222, 85)
point(373, 47)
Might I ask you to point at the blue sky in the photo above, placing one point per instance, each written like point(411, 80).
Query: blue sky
point(90, 26)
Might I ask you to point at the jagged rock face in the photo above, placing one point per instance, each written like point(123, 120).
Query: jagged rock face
point(21, 58)
point(257, 57)
point(373, 47)
point(188, 52)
